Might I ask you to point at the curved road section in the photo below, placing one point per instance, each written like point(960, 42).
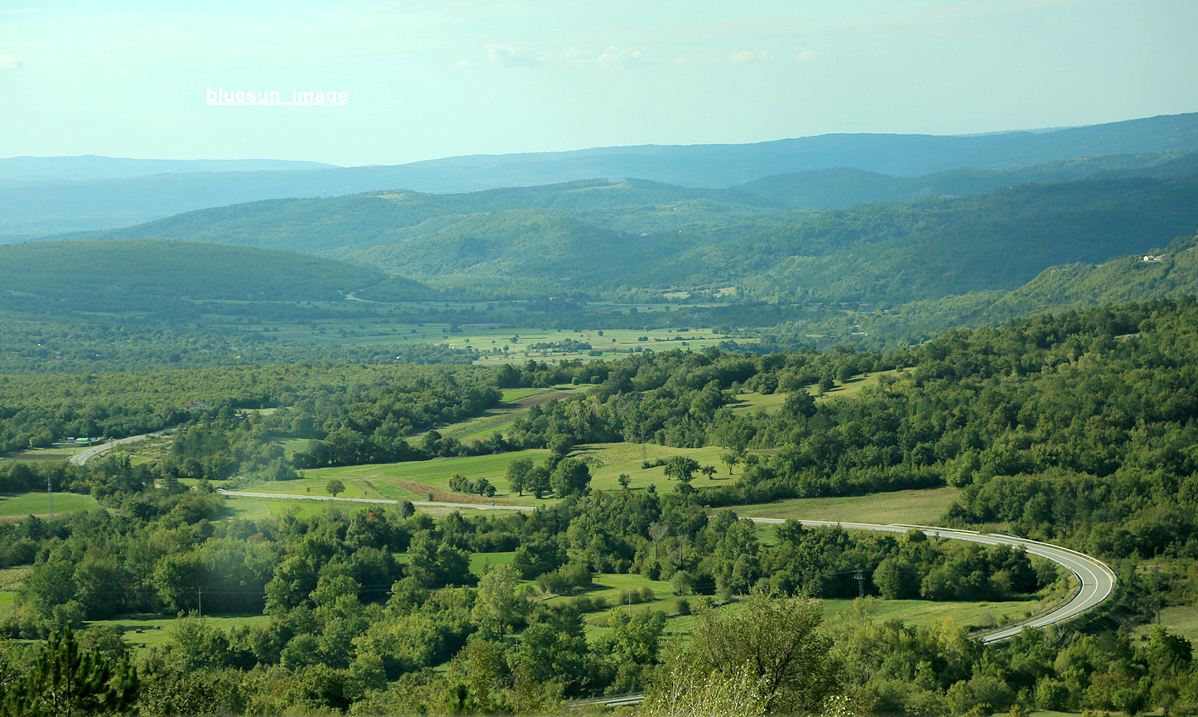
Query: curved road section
point(1095, 580)
point(84, 456)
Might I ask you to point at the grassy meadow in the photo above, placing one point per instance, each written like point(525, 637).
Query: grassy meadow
point(917, 507)
point(25, 504)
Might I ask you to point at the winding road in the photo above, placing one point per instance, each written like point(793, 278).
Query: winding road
point(1096, 581)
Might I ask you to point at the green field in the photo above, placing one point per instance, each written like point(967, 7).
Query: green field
point(1179, 620)
point(504, 340)
point(23, 504)
point(516, 404)
point(57, 452)
point(414, 480)
point(971, 615)
point(155, 629)
point(917, 507)
point(751, 402)
point(479, 562)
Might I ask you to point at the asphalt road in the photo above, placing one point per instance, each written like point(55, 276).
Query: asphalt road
point(83, 457)
point(1096, 580)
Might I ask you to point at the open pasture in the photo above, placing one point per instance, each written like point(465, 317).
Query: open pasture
point(23, 504)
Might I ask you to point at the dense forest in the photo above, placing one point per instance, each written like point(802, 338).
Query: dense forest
point(1076, 428)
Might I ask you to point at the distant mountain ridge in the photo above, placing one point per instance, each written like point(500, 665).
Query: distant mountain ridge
point(56, 207)
point(842, 187)
point(62, 169)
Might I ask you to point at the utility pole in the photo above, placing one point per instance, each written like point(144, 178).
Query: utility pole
point(50, 494)
point(860, 578)
point(1156, 591)
point(200, 598)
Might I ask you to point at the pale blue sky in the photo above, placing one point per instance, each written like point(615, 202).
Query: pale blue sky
point(426, 80)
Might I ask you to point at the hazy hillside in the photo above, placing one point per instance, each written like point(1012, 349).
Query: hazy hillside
point(1172, 273)
point(532, 240)
point(514, 245)
point(52, 169)
point(99, 275)
point(49, 208)
point(339, 224)
point(838, 188)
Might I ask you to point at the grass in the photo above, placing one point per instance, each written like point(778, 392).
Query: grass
point(415, 480)
point(23, 504)
point(479, 562)
point(921, 507)
point(972, 615)
point(854, 385)
point(1179, 620)
point(57, 452)
point(155, 629)
point(747, 403)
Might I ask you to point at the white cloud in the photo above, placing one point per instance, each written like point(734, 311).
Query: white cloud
point(465, 62)
point(746, 56)
point(623, 57)
point(506, 56)
point(10, 62)
point(806, 55)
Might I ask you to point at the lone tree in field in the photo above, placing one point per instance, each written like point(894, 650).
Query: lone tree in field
point(708, 471)
point(334, 487)
point(682, 468)
point(517, 474)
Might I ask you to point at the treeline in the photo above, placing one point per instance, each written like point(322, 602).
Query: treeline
point(391, 401)
point(1085, 416)
point(353, 628)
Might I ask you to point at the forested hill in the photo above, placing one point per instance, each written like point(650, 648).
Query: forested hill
point(106, 274)
point(1155, 274)
point(361, 221)
point(844, 187)
point(584, 237)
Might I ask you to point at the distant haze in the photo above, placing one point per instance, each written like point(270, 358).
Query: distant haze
point(128, 78)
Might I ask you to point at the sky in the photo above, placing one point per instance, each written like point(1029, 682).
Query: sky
point(130, 78)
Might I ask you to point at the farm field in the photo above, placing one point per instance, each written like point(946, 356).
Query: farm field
point(1181, 620)
point(57, 452)
point(416, 480)
point(973, 615)
point(24, 504)
point(752, 402)
point(155, 629)
point(250, 508)
point(919, 507)
point(505, 338)
point(516, 403)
